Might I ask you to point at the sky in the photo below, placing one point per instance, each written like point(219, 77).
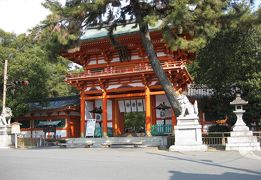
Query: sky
point(18, 16)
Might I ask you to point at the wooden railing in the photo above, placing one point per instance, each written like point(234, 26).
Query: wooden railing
point(215, 139)
point(134, 68)
point(30, 142)
point(258, 135)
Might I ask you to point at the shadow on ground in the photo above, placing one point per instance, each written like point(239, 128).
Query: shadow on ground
point(175, 175)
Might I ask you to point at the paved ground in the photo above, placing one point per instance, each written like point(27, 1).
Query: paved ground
point(127, 163)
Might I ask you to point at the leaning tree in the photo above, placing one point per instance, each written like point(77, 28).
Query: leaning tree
point(201, 19)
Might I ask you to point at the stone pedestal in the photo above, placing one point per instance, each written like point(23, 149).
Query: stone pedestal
point(188, 136)
point(241, 138)
point(5, 137)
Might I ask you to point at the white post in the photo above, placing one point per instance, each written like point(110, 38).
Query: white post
point(5, 82)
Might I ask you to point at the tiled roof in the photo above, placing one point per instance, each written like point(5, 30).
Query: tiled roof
point(54, 103)
point(120, 30)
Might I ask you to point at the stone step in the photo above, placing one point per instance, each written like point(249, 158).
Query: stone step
point(242, 139)
point(97, 142)
point(243, 146)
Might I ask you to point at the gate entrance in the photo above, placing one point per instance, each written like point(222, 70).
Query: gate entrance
point(134, 122)
point(132, 116)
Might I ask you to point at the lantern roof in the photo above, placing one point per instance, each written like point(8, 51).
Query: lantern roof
point(162, 106)
point(238, 100)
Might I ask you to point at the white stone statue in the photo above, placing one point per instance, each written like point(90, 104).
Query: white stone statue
point(5, 118)
point(187, 109)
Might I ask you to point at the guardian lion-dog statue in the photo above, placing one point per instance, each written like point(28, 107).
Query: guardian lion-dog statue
point(187, 108)
point(5, 118)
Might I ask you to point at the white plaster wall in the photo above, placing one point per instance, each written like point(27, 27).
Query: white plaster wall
point(113, 86)
point(88, 107)
point(161, 54)
point(109, 109)
point(92, 62)
point(154, 82)
point(136, 85)
point(101, 61)
point(135, 57)
point(121, 106)
point(116, 60)
point(109, 124)
point(160, 99)
point(98, 103)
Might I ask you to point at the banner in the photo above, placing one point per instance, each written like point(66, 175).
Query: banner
point(90, 127)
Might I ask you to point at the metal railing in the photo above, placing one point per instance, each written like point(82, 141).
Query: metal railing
point(98, 132)
point(161, 129)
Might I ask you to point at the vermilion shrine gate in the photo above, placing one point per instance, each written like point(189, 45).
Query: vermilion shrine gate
point(122, 80)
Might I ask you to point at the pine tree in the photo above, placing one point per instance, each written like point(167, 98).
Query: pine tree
point(201, 19)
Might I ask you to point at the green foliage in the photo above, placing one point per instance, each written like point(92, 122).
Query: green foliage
point(219, 128)
point(198, 19)
point(186, 24)
point(135, 121)
point(30, 61)
point(232, 60)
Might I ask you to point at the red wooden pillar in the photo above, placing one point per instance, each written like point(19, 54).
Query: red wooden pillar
point(69, 125)
point(148, 111)
point(82, 122)
point(104, 114)
point(114, 121)
point(115, 117)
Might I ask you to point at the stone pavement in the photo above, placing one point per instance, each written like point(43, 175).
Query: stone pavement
point(127, 164)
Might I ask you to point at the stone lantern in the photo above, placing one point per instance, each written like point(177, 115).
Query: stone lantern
point(239, 111)
point(241, 138)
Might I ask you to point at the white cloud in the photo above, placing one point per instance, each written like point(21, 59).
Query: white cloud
point(20, 15)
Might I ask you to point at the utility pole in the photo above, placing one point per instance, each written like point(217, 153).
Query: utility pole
point(5, 82)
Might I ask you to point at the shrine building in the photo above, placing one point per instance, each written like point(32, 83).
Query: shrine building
point(62, 113)
point(121, 80)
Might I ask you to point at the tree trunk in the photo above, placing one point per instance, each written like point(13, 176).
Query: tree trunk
point(155, 63)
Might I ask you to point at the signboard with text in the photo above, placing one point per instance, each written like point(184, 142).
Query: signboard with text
point(90, 127)
point(15, 128)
